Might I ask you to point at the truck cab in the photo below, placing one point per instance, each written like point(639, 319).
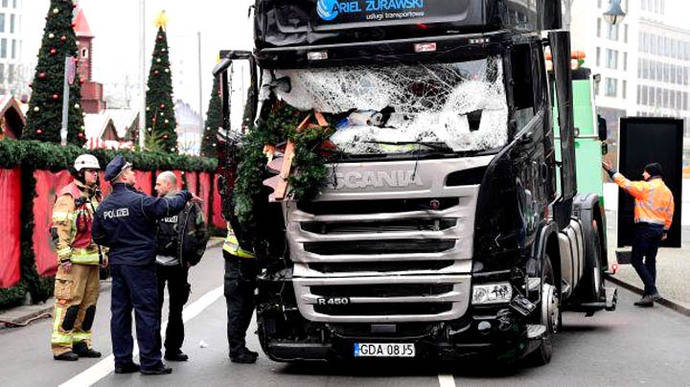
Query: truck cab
point(449, 224)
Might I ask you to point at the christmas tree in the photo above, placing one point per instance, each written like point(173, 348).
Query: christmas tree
point(214, 120)
point(44, 119)
point(160, 111)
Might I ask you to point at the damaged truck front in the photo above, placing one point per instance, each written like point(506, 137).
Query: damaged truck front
point(446, 227)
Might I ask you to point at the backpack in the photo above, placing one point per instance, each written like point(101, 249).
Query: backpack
point(192, 235)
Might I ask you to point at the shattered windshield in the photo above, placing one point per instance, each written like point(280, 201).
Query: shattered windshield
point(395, 109)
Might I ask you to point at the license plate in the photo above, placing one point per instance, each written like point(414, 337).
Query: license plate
point(384, 350)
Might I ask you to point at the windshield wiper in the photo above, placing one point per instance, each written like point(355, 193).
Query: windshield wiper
point(439, 146)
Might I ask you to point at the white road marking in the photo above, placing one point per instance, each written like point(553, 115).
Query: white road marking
point(104, 367)
point(446, 381)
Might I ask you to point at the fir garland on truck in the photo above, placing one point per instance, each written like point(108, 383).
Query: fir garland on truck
point(309, 164)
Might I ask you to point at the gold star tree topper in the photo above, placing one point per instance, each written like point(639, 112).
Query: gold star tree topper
point(162, 20)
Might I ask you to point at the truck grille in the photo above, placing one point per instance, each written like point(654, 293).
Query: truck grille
point(386, 254)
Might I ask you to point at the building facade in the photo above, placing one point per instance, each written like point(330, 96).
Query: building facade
point(643, 62)
point(12, 72)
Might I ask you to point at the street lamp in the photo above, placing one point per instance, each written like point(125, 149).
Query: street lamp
point(615, 14)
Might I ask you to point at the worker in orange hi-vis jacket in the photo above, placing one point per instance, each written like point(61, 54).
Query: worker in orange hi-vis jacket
point(653, 216)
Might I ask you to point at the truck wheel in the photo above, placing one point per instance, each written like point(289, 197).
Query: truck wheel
point(592, 285)
point(549, 316)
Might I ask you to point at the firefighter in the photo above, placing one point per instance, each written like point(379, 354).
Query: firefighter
point(653, 216)
point(126, 223)
point(240, 282)
point(77, 278)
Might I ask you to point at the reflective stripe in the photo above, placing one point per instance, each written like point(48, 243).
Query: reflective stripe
point(81, 336)
point(232, 245)
point(64, 253)
point(61, 215)
point(58, 337)
point(650, 221)
point(86, 259)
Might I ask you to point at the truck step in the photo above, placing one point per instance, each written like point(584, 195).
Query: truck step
point(608, 304)
point(535, 331)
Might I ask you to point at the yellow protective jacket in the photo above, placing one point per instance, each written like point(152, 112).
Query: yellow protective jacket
point(232, 246)
point(72, 224)
point(653, 200)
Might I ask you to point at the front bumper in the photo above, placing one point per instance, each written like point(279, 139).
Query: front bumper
point(286, 336)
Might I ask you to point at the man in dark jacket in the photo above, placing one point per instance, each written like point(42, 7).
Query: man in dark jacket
point(181, 241)
point(126, 223)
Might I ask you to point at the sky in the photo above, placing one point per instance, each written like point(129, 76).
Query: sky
point(115, 23)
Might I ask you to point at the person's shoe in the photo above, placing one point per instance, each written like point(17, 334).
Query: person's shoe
point(645, 301)
point(83, 351)
point(243, 358)
point(127, 368)
point(177, 356)
point(656, 296)
point(67, 356)
point(251, 353)
point(160, 370)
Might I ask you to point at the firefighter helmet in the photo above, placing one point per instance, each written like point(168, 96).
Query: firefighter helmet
point(86, 161)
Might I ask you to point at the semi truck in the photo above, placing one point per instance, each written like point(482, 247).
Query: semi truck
point(450, 224)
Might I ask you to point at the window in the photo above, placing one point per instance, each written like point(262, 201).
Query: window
point(3, 48)
point(611, 58)
point(625, 33)
point(523, 90)
point(2, 22)
point(672, 99)
point(10, 74)
point(639, 94)
point(598, 56)
point(643, 100)
point(2, 72)
point(14, 49)
point(612, 32)
point(652, 97)
point(625, 61)
point(4, 3)
point(598, 27)
point(624, 90)
point(12, 23)
point(611, 87)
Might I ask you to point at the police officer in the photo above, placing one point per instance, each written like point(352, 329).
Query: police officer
point(77, 278)
point(653, 216)
point(240, 282)
point(181, 241)
point(126, 223)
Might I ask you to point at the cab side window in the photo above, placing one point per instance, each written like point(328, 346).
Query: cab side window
point(523, 85)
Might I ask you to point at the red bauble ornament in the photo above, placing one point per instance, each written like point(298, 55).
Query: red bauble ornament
point(39, 131)
point(63, 38)
point(165, 136)
point(53, 51)
point(160, 37)
point(156, 72)
point(55, 96)
point(162, 106)
point(31, 85)
point(80, 135)
point(42, 75)
point(74, 25)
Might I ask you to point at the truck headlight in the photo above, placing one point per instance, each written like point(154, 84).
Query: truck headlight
point(497, 293)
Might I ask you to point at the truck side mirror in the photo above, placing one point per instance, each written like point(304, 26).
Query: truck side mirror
point(603, 130)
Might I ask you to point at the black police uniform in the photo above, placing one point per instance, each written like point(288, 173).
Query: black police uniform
point(126, 223)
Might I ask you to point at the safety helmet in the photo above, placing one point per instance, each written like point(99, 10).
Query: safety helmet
point(86, 162)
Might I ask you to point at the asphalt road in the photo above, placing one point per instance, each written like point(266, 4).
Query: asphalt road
point(630, 346)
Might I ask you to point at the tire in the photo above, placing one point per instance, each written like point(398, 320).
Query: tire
point(592, 286)
point(549, 315)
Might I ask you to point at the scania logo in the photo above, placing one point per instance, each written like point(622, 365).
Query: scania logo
point(327, 9)
point(377, 179)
